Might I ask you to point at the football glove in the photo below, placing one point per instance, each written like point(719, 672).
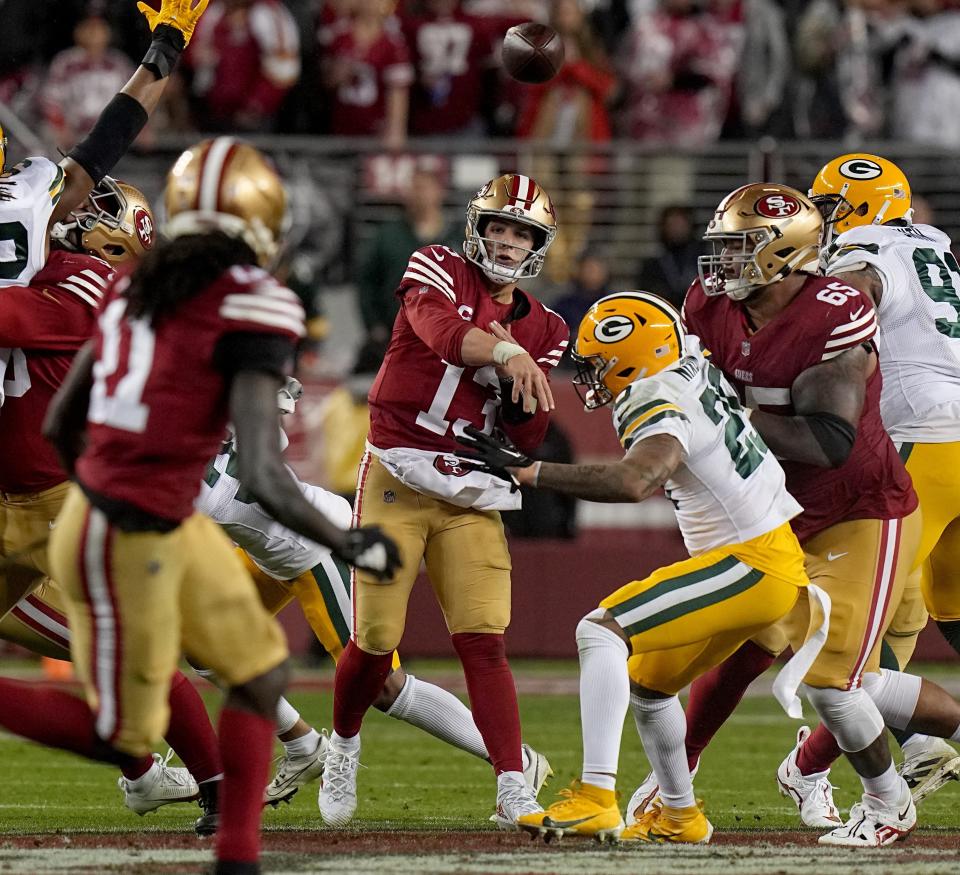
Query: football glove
point(492, 453)
point(181, 15)
point(369, 549)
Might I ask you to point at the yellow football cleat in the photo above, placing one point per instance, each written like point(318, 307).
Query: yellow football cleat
point(687, 826)
point(582, 810)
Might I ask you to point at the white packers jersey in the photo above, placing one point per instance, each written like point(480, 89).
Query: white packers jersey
point(279, 552)
point(919, 325)
point(29, 191)
point(729, 487)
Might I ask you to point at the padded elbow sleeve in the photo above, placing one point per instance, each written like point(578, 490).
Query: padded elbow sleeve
point(118, 126)
point(834, 435)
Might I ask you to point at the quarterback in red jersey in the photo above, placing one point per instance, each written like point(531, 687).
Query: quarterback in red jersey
point(800, 349)
point(200, 308)
point(468, 348)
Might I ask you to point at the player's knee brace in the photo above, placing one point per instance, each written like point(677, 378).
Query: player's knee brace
point(895, 695)
point(850, 715)
point(951, 631)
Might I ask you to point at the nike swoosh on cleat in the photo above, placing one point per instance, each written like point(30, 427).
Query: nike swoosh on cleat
point(565, 824)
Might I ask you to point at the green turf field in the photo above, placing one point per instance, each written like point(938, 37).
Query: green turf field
point(412, 781)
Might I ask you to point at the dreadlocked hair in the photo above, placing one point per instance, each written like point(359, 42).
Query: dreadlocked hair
point(178, 270)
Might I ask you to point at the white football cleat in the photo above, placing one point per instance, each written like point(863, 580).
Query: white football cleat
point(813, 794)
point(514, 798)
point(927, 766)
point(293, 772)
point(536, 769)
point(645, 795)
point(338, 788)
point(160, 785)
point(873, 824)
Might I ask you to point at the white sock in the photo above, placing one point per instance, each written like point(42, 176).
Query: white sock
point(662, 726)
point(348, 745)
point(439, 713)
point(304, 745)
point(604, 699)
point(888, 787)
point(287, 716)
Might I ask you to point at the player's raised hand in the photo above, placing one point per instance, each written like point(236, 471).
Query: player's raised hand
point(181, 15)
point(369, 549)
point(529, 382)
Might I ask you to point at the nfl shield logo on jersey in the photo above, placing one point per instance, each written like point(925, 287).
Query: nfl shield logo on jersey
point(745, 348)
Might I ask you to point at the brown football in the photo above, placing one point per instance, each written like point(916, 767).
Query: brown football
point(532, 52)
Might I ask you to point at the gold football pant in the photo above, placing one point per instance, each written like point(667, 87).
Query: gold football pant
point(465, 551)
point(25, 525)
point(136, 600)
point(323, 594)
point(38, 622)
point(935, 469)
point(863, 565)
point(686, 618)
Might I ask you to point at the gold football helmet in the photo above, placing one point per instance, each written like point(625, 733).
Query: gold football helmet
point(227, 185)
point(624, 337)
point(759, 234)
point(3, 149)
point(514, 198)
point(860, 189)
point(115, 222)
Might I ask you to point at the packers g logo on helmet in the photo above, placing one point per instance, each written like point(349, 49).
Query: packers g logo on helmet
point(624, 337)
point(860, 189)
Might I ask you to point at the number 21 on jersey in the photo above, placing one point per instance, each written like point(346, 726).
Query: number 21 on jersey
point(121, 406)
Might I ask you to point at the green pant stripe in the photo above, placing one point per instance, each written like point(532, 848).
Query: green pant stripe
point(672, 584)
point(906, 448)
point(696, 604)
point(330, 599)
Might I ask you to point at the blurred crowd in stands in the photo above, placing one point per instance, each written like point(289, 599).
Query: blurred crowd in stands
point(664, 72)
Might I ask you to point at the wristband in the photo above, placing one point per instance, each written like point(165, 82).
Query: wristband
point(167, 45)
point(504, 351)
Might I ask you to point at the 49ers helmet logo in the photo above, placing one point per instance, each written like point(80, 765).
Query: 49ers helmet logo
point(860, 168)
point(143, 225)
point(613, 328)
point(777, 206)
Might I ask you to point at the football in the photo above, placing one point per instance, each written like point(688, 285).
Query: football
point(532, 52)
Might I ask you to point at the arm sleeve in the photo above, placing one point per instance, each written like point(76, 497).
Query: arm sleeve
point(436, 322)
point(242, 351)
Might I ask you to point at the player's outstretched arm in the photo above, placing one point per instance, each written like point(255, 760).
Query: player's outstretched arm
point(828, 399)
point(646, 466)
point(66, 421)
point(256, 420)
point(124, 117)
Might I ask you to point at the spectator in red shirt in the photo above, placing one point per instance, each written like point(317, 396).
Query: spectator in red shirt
point(573, 106)
point(83, 79)
point(245, 57)
point(450, 51)
point(366, 66)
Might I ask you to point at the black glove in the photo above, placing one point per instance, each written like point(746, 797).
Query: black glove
point(370, 550)
point(493, 453)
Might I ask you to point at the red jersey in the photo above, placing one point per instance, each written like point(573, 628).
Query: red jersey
point(824, 319)
point(424, 391)
point(159, 403)
point(358, 107)
point(448, 54)
point(42, 326)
